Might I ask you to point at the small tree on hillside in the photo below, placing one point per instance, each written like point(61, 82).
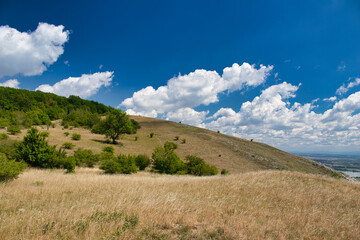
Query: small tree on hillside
point(116, 124)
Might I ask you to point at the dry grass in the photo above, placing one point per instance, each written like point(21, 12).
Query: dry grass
point(234, 154)
point(44, 204)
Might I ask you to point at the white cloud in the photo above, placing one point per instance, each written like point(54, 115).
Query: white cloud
point(343, 89)
point(188, 116)
point(341, 67)
point(30, 53)
point(66, 62)
point(101, 66)
point(330, 99)
point(12, 83)
point(84, 86)
point(200, 87)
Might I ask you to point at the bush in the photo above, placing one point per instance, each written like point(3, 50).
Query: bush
point(170, 146)
point(167, 161)
point(76, 136)
point(68, 145)
point(69, 164)
point(197, 166)
point(136, 138)
point(13, 130)
point(9, 169)
point(151, 135)
point(142, 161)
point(108, 149)
point(224, 172)
point(84, 157)
point(122, 164)
point(176, 138)
point(44, 134)
point(66, 133)
point(36, 152)
point(183, 141)
point(3, 136)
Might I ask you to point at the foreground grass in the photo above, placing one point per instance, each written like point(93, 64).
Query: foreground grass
point(43, 204)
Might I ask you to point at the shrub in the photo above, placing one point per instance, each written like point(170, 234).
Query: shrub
point(136, 138)
point(122, 164)
point(9, 169)
point(44, 134)
point(197, 166)
point(224, 172)
point(69, 164)
point(167, 161)
point(85, 157)
point(108, 149)
point(142, 161)
point(36, 152)
point(68, 145)
point(183, 141)
point(76, 136)
point(13, 130)
point(151, 135)
point(170, 146)
point(176, 138)
point(66, 133)
point(3, 136)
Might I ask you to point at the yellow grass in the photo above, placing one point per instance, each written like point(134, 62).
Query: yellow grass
point(44, 204)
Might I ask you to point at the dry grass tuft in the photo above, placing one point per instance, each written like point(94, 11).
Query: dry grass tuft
point(44, 204)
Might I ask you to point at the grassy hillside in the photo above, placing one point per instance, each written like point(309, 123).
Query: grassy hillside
point(234, 154)
point(45, 204)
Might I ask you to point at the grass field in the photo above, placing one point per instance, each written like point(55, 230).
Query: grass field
point(48, 204)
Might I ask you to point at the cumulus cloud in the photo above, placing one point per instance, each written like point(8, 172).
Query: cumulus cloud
point(188, 116)
point(200, 87)
point(272, 119)
point(330, 99)
point(12, 83)
point(30, 53)
point(344, 89)
point(84, 86)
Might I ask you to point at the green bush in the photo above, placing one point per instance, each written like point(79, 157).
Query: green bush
point(183, 141)
point(3, 136)
point(122, 164)
point(176, 138)
point(167, 161)
point(66, 133)
point(142, 161)
point(170, 146)
point(85, 157)
point(9, 169)
point(76, 136)
point(13, 130)
point(136, 138)
point(151, 135)
point(9, 148)
point(108, 149)
point(69, 164)
point(44, 134)
point(197, 166)
point(224, 172)
point(36, 152)
point(68, 145)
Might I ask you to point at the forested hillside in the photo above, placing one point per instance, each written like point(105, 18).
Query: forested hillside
point(23, 108)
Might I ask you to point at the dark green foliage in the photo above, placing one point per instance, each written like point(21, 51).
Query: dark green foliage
point(197, 166)
point(68, 145)
point(66, 133)
point(176, 138)
point(170, 146)
point(84, 157)
point(151, 135)
point(108, 149)
point(167, 161)
point(9, 148)
point(183, 141)
point(224, 172)
point(121, 164)
point(36, 152)
point(76, 136)
point(115, 124)
point(3, 136)
point(9, 169)
point(13, 129)
point(142, 161)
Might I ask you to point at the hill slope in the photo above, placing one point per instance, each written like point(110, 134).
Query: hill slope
point(234, 154)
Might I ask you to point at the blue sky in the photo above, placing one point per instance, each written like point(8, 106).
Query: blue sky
point(295, 83)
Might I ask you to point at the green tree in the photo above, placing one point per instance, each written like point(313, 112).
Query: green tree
point(167, 161)
point(115, 124)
